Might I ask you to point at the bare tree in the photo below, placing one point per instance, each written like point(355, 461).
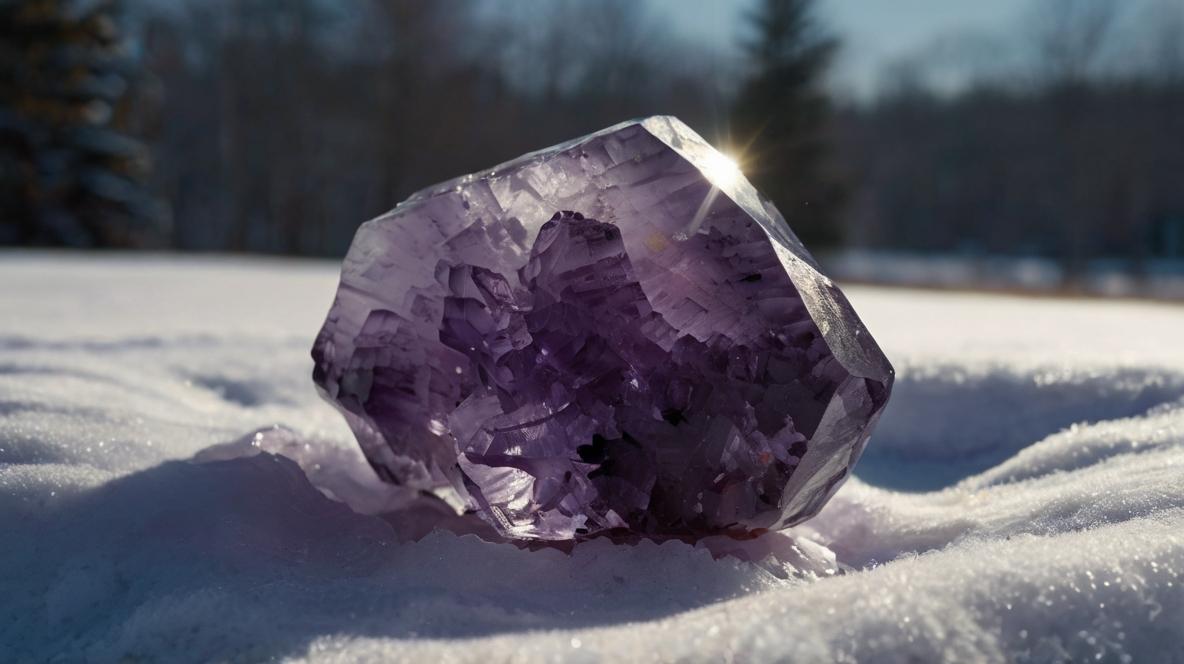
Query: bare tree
point(1070, 36)
point(1165, 23)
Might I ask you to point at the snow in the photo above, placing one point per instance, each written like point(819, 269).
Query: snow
point(1159, 278)
point(1022, 499)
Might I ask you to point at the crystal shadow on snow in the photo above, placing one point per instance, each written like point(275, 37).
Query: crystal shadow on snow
point(231, 543)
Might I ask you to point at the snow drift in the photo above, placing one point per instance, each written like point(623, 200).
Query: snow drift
point(1022, 499)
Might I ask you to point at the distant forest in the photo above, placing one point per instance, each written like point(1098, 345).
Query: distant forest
point(278, 126)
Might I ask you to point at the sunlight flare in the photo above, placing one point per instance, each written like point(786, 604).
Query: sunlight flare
point(722, 170)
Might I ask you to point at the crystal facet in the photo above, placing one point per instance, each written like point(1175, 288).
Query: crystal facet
point(617, 334)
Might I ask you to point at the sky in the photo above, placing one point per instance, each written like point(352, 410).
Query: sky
point(874, 33)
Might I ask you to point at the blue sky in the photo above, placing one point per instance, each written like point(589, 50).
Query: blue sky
point(874, 32)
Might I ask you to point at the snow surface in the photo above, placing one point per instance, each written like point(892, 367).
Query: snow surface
point(1161, 278)
point(1022, 499)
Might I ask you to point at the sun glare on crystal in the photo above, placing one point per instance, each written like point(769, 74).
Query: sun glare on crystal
point(722, 170)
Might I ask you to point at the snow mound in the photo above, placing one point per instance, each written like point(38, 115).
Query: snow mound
point(1022, 500)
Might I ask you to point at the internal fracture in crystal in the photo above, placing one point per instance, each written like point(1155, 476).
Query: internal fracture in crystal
point(613, 335)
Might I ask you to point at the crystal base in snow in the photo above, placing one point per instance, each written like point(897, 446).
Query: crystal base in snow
point(617, 334)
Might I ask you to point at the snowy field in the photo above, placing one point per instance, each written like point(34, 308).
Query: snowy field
point(1022, 499)
point(1157, 279)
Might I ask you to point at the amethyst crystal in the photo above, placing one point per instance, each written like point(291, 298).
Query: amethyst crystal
point(614, 334)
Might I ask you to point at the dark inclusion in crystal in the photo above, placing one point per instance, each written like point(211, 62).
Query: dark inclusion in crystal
point(613, 334)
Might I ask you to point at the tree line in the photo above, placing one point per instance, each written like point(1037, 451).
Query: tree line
point(1072, 153)
point(279, 125)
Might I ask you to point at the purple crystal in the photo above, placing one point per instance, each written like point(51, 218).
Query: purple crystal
point(614, 334)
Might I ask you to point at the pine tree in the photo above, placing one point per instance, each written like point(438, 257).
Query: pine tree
point(67, 175)
point(782, 113)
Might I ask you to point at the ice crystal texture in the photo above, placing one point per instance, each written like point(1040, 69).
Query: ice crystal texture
point(616, 334)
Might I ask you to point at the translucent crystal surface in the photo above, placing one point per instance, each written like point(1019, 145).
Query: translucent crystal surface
point(614, 334)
